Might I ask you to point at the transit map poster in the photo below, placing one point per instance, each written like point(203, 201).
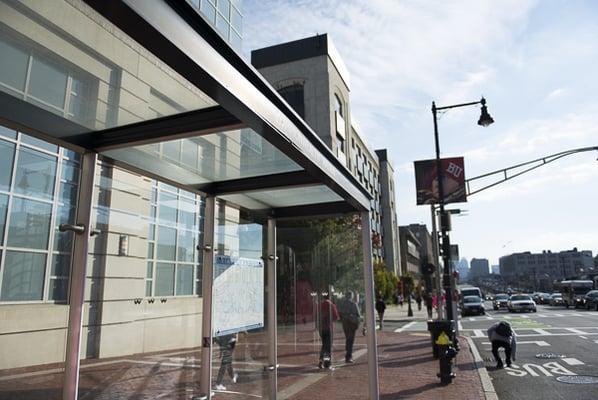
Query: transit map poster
point(237, 295)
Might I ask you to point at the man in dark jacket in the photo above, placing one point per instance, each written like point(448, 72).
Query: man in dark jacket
point(380, 308)
point(501, 335)
point(349, 313)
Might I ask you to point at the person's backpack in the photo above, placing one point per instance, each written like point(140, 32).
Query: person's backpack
point(504, 329)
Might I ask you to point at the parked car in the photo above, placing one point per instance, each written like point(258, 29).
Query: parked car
point(472, 305)
point(521, 302)
point(500, 301)
point(556, 299)
point(591, 300)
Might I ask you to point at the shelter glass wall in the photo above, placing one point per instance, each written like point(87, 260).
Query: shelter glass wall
point(38, 191)
point(320, 259)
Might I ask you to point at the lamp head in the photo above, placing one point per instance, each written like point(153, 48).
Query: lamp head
point(485, 118)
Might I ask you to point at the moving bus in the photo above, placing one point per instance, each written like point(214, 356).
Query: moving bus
point(573, 291)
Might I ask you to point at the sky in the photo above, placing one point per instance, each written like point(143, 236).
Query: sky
point(535, 62)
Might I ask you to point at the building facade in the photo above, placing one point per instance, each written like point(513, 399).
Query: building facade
point(312, 77)
point(411, 252)
point(548, 266)
point(479, 267)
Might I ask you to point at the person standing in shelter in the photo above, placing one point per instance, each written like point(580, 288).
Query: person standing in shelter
point(380, 308)
point(501, 335)
point(227, 345)
point(328, 315)
point(349, 313)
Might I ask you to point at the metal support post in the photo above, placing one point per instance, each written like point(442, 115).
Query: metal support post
point(205, 383)
point(272, 320)
point(435, 252)
point(446, 244)
point(370, 317)
point(77, 284)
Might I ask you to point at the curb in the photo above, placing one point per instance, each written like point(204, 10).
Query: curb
point(487, 385)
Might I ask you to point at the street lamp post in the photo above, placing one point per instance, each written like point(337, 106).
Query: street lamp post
point(485, 120)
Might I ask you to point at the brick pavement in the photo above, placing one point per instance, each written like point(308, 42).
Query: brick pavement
point(406, 367)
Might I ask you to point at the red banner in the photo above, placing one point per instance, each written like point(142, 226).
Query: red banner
point(426, 181)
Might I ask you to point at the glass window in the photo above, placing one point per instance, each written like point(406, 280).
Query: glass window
point(148, 288)
point(23, 277)
point(42, 144)
point(58, 289)
point(3, 207)
point(47, 82)
point(224, 7)
point(164, 279)
point(338, 105)
point(29, 225)
point(208, 10)
point(187, 210)
point(186, 246)
point(63, 241)
point(293, 95)
point(35, 174)
point(166, 243)
point(168, 208)
point(222, 25)
point(7, 154)
point(9, 133)
point(61, 265)
point(235, 40)
point(236, 20)
point(13, 66)
point(184, 280)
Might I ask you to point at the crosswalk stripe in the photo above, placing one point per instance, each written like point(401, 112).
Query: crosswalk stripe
point(489, 318)
point(557, 315)
point(404, 327)
point(472, 319)
point(572, 361)
point(525, 316)
point(542, 332)
point(576, 315)
point(580, 332)
point(541, 315)
point(478, 333)
point(508, 317)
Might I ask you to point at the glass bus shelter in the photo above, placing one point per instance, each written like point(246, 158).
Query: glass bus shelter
point(164, 211)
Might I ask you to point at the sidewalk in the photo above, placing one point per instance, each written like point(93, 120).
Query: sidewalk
point(407, 370)
point(399, 314)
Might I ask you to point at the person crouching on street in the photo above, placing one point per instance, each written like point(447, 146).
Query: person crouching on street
point(501, 335)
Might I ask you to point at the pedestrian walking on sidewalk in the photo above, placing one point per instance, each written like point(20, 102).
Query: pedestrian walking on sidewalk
point(349, 313)
point(328, 315)
point(400, 300)
point(380, 308)
point(428, 302)
point(227, 345)
point(501, 335)
point(418, 300)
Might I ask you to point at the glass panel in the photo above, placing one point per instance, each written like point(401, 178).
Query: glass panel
point(187, 210)
point(61, 265)
point(23, 277)
point(166, 243)
point(97, 76)
point(221, 156)
point(9, 133)
point(320, 302)
point(42, 144)
point(223, 7)
point(236, 20)
point(134, 322)
point(36, 172)
point(168, 208)
point(208, 10)
point(7, 154)
point(164, 279)
point(29, 225)
point(222, 25)
point(33, 336)
point(239, 303)
point(285, 197)
point(13, 65)
point(184, 279)
point(58, 289)
point(3, 209)
point(186, 248)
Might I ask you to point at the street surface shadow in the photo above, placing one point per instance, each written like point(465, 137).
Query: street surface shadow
point(407, 393)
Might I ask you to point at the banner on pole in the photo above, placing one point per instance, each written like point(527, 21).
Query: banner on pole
point(426, 181)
